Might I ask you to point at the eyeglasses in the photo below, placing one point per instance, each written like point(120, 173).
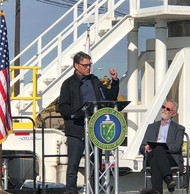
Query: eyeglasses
point(164, 107)
point(86, 65)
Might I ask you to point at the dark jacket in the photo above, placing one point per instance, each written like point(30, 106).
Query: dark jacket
point(70, 101)
point(174, 140)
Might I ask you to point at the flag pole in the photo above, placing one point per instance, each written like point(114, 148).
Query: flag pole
point(1, 160)
point(1, 187)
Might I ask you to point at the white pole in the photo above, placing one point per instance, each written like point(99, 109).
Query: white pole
point(161, 64)
point(132, 87)
point(133, 6)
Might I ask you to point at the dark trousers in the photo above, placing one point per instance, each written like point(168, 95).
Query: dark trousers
point(75, 153)
point(160, 162)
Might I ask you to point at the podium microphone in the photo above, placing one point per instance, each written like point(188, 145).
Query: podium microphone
point(102, 94)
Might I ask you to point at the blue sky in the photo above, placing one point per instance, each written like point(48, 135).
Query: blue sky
point(37, 17)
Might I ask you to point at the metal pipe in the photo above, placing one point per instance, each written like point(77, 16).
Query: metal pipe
point(87, 155)
point(96, 162)
point(5, 166)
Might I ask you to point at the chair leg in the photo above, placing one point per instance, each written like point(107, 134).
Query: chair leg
point(145, 180)
point(182, 183)
point(179, 182)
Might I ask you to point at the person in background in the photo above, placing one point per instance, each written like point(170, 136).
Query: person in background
point(79, 88)
point(159, 159)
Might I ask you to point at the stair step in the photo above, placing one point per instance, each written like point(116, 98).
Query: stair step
point(102, 32)
point(63, 68)
point(24, 104)
point(38, 93)
point(116, 20)
point(47, 81)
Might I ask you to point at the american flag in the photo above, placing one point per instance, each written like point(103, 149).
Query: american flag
point(5, 109)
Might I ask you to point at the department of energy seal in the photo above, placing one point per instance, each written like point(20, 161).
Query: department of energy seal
point(107, 128)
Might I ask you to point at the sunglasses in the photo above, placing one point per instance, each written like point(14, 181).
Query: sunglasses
point(86, 65)
point(164, 107)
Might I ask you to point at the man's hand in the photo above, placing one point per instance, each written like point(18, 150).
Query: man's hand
point(148, 149)
point(113, 73)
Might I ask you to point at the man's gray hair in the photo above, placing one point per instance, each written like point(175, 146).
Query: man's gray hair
point(174, 103)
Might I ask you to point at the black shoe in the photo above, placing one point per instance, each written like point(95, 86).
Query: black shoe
point(170, 183)
point(171, 190)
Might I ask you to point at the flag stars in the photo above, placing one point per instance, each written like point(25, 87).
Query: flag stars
point(4, 53)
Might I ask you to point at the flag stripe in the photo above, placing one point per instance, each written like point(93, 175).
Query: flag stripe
point(3, 87)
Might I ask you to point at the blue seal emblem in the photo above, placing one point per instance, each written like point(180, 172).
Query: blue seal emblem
point(107, 128)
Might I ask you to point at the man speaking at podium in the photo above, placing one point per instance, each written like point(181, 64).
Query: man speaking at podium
point(79, 88)
point(159, 158)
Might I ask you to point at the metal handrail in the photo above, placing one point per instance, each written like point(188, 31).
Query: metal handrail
point(34, 98)
point(187, 167)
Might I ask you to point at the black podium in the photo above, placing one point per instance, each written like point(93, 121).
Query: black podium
point(96, 180)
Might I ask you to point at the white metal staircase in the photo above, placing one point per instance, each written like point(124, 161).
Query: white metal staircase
point(54, 70)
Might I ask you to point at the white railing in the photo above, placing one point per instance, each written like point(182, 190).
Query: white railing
point(63, 45)
point(74, 23)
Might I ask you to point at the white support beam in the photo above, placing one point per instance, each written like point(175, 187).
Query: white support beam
point(161, 53)
point(132, 86)
point(184, 92)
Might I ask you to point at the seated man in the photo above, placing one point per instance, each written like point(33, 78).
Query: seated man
point(159, 159)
